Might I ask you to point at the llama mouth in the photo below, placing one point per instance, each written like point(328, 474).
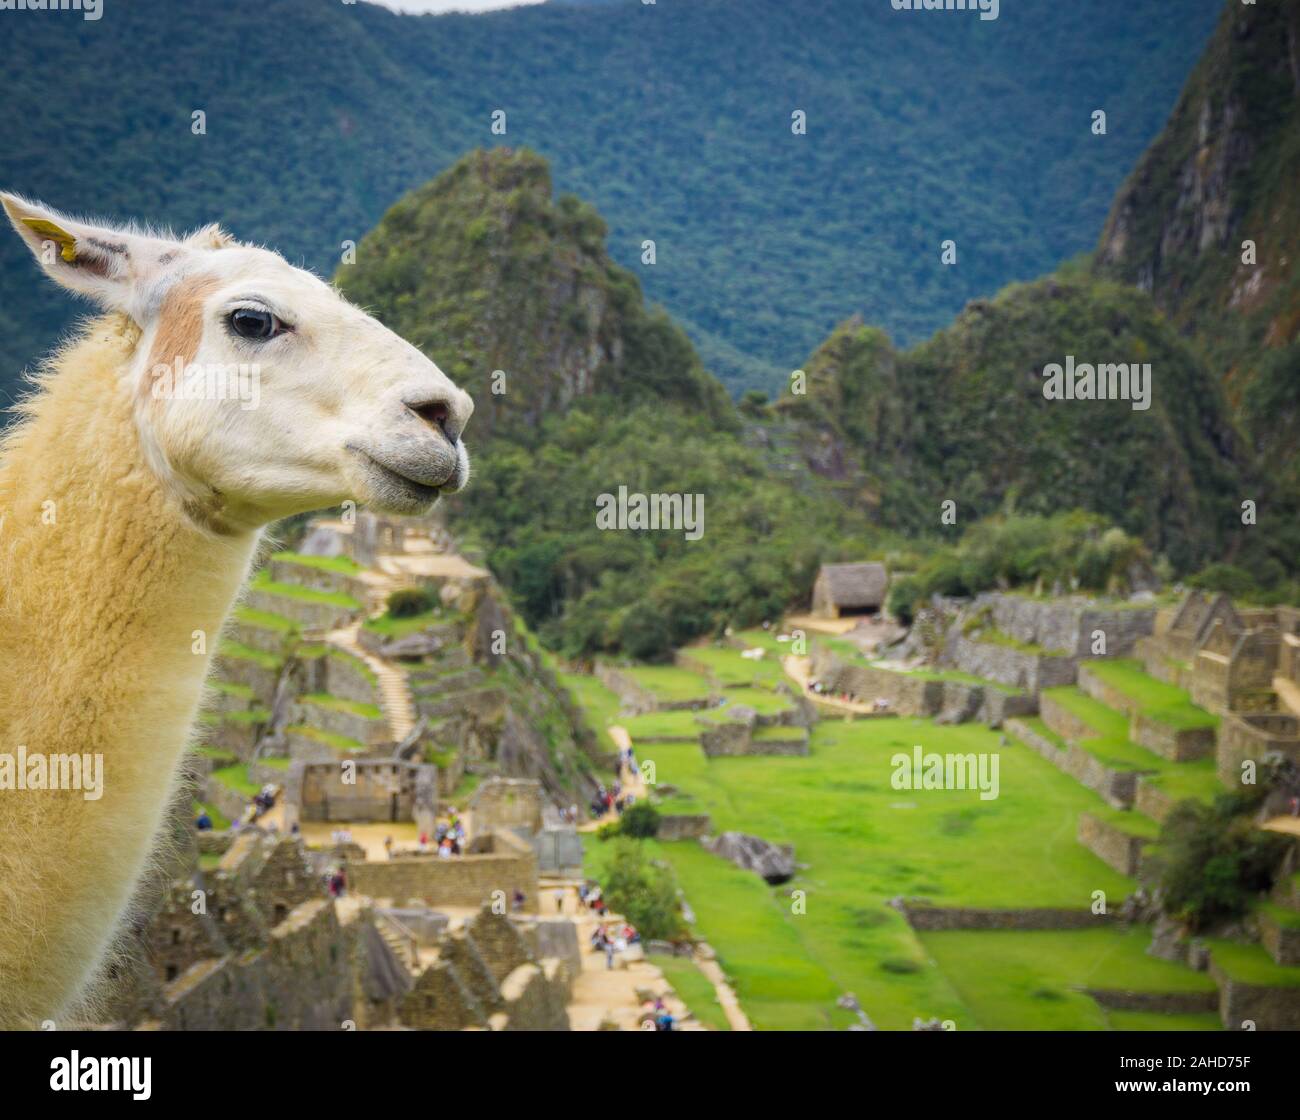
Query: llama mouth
point(394, 490)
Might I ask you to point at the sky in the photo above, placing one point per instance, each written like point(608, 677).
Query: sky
point(451, 5)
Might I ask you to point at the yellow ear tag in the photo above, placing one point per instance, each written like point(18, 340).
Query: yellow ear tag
point(48, 229)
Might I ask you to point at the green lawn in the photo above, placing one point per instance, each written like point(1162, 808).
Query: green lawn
point(1013, 980)
point(1251, 964)
point(1160, 701)
point(694, 989)
point(599, 705)
point(764, 701)
point(865, 842)
point(726, 665)
point(652, 725)
point(670, 683)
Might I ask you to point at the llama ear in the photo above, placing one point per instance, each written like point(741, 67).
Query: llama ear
point(105, 264)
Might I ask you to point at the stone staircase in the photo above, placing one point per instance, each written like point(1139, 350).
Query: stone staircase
point(394, 690)
point(400, 940)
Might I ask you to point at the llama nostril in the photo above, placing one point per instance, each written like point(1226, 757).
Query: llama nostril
point(435, 414)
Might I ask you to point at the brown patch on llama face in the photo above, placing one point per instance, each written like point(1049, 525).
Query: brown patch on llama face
point(180, 330)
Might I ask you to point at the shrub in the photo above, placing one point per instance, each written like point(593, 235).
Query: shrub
point(643, 891)
point(640, 820)
point(1212, 861)
point(408, 602)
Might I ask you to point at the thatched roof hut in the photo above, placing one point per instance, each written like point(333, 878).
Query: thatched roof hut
point(849, 589)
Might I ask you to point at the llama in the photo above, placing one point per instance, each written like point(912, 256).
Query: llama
point(130, 512)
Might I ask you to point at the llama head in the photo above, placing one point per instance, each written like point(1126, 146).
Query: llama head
point(257, 389)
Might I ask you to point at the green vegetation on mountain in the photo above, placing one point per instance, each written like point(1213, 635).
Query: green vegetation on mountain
point(963, 418)
point(674, 119)
point(513, 291)
point(1221, 174)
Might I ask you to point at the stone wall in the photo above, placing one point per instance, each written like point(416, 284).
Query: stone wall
point(1117, 787)
point(907, 695)
point(1281, 942)
point(1160, 1003)
point(1007, 665)
point(1112, 845)
point(319, 579)
point(927, 919)
point(1151, 801)
point(1176, 744)
point(1269, 1009)
point(365, 729)
point(349, 678)
point(684, 826)
point(466, 880)
point(1252, 735)
point(1068, 624)
point(500, 803)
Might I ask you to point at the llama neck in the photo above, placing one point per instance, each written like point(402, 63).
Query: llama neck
point(110, 600)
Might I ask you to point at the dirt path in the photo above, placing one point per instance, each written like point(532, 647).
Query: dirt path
point(797, 669)
point(597, 986)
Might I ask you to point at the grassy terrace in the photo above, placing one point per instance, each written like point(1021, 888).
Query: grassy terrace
point(338, 742)
point(355, 662)
point(865, 842)
point(389, 627)
point(338, 704)
point(669, 683)
point(598, 704)
point(1014, 980)
point(240, 652)
point(236, 777)
point(263, 582)
point(1251, 964)
point(1112, 747)
point(726, 665)
point(764, 701)
point(265, 620)
point(993, 636)
point(220, 821)
point(654, 725)
point(849, 652)
point(1162, 702)
point(342, 565)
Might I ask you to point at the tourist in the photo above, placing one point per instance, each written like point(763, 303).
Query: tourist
point(203, 822)
point(388, 846)
point(609, 954)
point(559, 900)
point(424, 841)
point(518, 900)
point(665, 1021)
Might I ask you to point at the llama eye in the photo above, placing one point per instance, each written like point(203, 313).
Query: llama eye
point(252, 323)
